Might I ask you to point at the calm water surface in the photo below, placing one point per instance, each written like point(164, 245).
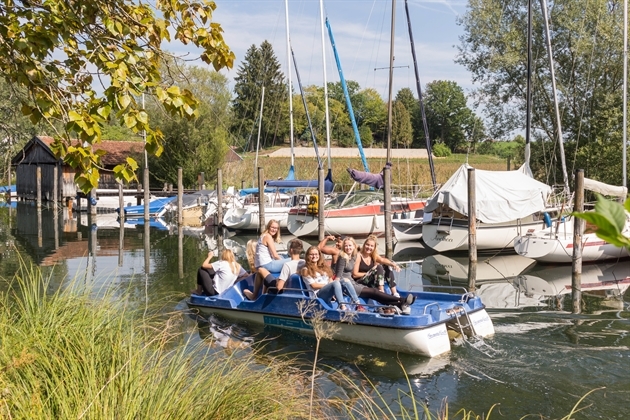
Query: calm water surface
point(542, 359)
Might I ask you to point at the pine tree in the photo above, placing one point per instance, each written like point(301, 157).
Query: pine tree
point(402, 134)
point(259, 68)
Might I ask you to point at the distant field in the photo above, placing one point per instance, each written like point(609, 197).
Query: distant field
point(405, 172)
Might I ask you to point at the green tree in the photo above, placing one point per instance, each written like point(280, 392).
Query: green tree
point(259, 68)
point(372, 111)
point(447, 113)
point(402, 133)
point(206, 136)
point(405, 96)
point(85, 63)
point(588, 55)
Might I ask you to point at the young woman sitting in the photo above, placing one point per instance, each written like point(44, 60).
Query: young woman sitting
point(318, 278)
point(214, 278)
point(345, 266)
point(369, 268)
point(266, 255)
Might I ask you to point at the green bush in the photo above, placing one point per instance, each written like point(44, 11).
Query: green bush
point(441, 150)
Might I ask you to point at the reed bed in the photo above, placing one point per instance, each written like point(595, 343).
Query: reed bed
point(406, 173)
point(67, 355)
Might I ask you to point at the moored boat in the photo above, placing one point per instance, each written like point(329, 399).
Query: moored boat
point(508, 204)
point(555, 243)
point(359, 213)
point(424, 331)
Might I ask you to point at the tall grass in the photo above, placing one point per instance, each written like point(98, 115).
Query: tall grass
point(65, 355)
point(405, 172)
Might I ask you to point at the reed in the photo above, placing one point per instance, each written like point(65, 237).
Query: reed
point(71, 354)
point(405, 172)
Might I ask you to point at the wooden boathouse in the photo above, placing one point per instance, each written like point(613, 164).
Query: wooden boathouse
point(37, 154)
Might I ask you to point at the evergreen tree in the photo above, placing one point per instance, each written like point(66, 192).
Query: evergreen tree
point(402, 134)
point(405, 96)
point(259, 68)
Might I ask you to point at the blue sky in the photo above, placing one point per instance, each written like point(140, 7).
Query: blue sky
point(361, 29)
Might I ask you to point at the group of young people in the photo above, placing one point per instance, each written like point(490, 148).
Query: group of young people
point(354, 272)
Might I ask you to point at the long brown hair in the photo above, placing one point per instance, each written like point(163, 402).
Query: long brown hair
point(311, 269)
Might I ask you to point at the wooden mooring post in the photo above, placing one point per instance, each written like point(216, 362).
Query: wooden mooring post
point(146, 189)
point(472, 230)
point(578, 232)
point(219, 218)
point(180, 196)
point(39, 187)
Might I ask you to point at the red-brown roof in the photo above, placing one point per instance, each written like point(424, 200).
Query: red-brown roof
point(117, 151)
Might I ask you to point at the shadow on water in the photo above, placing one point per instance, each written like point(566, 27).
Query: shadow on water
point(541, 360)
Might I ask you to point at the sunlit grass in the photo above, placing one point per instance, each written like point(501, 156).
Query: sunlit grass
point(405, 172)
point(65, 355)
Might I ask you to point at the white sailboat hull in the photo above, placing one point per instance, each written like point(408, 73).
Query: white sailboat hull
point(248, 218)
point(407, 229)
point(443, 236)
point(546, 246)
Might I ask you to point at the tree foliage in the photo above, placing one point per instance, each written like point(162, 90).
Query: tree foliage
point(259, 68)
point(86, 63)
point(405, 96)
point(198, 145)
point(588, 53)
point(448, 116)
point(402, 132)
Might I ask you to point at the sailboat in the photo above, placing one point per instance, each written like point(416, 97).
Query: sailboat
point(555, 244)
point(357, 212)
point(277, 202)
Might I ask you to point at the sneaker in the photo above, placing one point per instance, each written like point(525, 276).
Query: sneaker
point(396, 295)
point(360, 308)
point(405, 309)
point(410, 299)
point(342, 307)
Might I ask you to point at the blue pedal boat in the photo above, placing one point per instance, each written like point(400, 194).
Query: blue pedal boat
point(424, 331)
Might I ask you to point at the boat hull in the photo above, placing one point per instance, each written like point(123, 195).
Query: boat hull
point(423, 332)
point(407, 229)
point(443, 236)
point(363, 220)
point(248, 218)
point(543, 246)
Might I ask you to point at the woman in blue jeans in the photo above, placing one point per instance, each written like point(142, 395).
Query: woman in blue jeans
point(318, 277)
point(266, 255)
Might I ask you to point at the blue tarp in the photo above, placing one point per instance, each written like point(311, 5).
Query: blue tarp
point(7, 188)
point(155, 206)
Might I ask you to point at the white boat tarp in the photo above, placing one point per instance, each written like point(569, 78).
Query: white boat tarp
point(502, 196)
point(605, 189)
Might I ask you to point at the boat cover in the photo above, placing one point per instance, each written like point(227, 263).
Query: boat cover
point(367, 178)
point(605, 189)
point(329, 185)
point(502, 196)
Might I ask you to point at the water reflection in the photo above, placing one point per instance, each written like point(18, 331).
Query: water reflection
point(541, 360)
point(516, 282)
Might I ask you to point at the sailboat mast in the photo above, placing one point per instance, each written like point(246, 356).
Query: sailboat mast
point(625, 88)
point(321, 15)
point(543, 6)
point(528, 113)
point(421, 101)
point(387, 187)
point(286, 14)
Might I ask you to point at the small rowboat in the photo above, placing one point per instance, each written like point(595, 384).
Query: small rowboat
point(424, 331)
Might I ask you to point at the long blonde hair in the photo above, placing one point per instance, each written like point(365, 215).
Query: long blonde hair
point(343, 245)
point(250, 251)
point(228, 256)
point(277, 239)
point(374, 253)
point(311, 269)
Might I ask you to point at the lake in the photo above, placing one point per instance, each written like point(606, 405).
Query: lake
point(541, 360)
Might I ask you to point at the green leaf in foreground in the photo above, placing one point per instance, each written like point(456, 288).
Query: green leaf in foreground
point(610, 219)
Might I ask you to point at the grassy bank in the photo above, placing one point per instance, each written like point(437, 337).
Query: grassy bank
point(68, 356)
point(405, 172)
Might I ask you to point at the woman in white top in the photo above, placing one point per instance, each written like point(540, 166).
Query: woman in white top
point(318, 277)
point(266, 255)
point(214, 278)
